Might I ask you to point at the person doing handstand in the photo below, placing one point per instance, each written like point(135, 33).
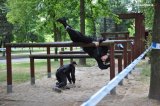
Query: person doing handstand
point(99, 52)
point(63, 73)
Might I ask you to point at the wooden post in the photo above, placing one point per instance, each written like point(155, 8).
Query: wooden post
point(139, 35)
point(71, 49)
point(120, 67)
point(32, 72)
point(119, 64)
point(112, 62)
point(61, 61)
point(125, 54)
point(112, 66)
point(129, 57)
point(48, 63)
point(9, 69)
point(133, 52)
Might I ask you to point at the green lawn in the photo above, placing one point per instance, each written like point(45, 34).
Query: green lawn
point(146, 70)
point(21, 71)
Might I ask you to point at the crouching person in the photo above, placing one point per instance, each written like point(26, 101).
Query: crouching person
point(63, 73)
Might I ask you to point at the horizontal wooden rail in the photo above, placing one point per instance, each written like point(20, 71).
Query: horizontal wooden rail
point(64, 44)
point(82, 52)
point(65, 56)
point(114, 33)
point(109, 43)
point(72, 52)
point(127, 61)
point(53, 56)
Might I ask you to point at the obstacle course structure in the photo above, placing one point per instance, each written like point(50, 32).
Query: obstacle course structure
point(110, 43)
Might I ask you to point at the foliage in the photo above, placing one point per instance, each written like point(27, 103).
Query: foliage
point(148, 42)
point(131, 30)
point(39, 16)
point(23, 16)
point(145, 7)
point(148, 10)
point(5, 26)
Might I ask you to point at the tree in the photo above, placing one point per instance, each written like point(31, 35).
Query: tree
point(82, 24)
point(146, 7)
point(154, 92)
point(23, 15)
point(5, 26)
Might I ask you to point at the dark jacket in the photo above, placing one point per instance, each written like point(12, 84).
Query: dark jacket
point(95, 52)
point(69, 71)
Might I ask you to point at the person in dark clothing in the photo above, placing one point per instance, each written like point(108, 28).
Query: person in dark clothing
point(98, 52)
point(66, 72)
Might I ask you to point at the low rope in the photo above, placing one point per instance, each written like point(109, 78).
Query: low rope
point(98, 96)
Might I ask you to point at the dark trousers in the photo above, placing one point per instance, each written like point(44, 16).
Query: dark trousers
point(76, 36)
point(61, 78)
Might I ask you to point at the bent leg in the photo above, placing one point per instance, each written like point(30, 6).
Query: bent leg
point(58, 77)
point(63, 81)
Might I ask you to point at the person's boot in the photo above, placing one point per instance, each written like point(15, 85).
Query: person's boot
point(62, 20)
point(108, 59)
point(56, 89)
point(108, 65)
point(57, 83)
point(65, 87)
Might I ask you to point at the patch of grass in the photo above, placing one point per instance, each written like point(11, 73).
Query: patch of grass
point(91, 62)
point(146, 72)
point(21, 71)
point(2, 73)
point(21, 77)
point(2, 77)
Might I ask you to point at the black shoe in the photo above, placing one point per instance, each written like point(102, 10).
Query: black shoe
point(57, 89)
point(107, 60)
point(57, 83)
point(108, 65)
point(65, 87)
point(100, 40)
point(62, 20)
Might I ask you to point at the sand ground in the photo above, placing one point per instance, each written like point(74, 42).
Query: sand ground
point(89, 80)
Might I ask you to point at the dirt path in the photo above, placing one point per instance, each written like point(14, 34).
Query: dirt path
point(89, 80)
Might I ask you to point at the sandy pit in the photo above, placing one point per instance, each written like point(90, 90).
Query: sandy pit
point(133, 92)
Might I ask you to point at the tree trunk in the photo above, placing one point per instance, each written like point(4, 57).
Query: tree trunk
point(94, 27)
point(104, 25)
point(82, 25)
point(56, 34)
point(154, 92)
